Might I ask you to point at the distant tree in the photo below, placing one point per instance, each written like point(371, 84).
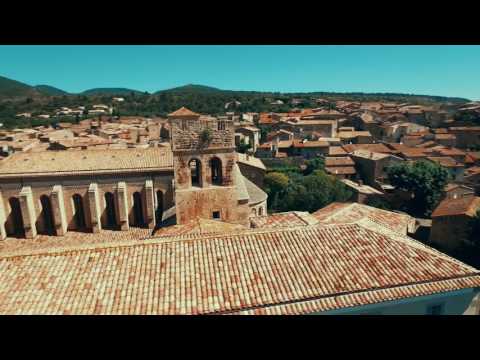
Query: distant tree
point(424, 179)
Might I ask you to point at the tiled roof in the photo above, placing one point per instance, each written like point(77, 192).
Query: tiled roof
point(350, 148)
point(336, 151)
point(285, 219)
point(310, 144)
point(467, 205)
point(339, 161)
point(340, 170)
point(445, 161)
point(199, 227)
point(86, 161)
point(450, 152)
point(255, 194)
point(340, 213)
point(365, 154)
point(300, 270)
point(251, 160)
point(183, 111)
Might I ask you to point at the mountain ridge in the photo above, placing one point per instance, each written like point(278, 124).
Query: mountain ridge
point(10, 88)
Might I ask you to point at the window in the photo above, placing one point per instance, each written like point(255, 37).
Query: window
point(184, 125)
point(216, 214)
point(195, 172)
point(435, 309)
point(216, 166)
point(221, 125)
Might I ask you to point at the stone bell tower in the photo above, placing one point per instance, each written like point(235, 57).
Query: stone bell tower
point(205, 169)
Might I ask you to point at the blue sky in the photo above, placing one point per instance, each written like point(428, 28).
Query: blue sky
point(432, 70)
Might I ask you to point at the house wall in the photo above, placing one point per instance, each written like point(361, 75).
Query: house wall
point(466, 138)
point(454, 303)
point(449, 231)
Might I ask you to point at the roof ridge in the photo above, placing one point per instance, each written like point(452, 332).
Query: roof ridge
point(167, 239)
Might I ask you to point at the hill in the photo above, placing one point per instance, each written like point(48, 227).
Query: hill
point(110, 91)
point(50, 90)
point(11, 89)
point(193, 88)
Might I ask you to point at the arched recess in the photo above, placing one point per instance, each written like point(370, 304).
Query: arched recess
point(195, 172)
point(159, 208)
point(138, 219)
point(111, 220)
point(79, 215)
point(16, 219)
point(216, 168)
point(47, 216)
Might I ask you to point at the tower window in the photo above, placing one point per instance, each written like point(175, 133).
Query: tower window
point(221, 125)
point(184, 124)
point(216, 215)
point(195, 172)
point(216, 166)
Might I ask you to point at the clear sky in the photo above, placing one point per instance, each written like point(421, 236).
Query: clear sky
point(431, 70)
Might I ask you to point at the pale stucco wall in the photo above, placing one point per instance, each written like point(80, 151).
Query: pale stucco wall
point(454, 303)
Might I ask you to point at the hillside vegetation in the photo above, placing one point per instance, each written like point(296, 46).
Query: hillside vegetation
point(16, 97)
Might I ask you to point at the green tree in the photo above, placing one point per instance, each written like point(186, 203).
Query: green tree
point(424, 179)
point(275, 183)
point(379, 203)
point(317, 163)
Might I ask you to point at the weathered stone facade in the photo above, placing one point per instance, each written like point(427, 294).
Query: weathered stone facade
point(207, 143)
point(91, 190)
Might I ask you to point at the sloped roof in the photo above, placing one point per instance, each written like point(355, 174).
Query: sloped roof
point(340, 213)
point(255, 194)
point(183, 111)
point(339, 161)
point(284, 271)
point(199, 226)
point(251, 161)
point(467, 205)
point(285, 219)
point(86, 161)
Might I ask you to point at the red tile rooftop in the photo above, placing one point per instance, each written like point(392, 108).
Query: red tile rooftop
point(279, 271)
point(341, 213)
point(467, 205)
point(372, 147)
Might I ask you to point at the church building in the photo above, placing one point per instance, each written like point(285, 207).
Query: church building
point(53, 192)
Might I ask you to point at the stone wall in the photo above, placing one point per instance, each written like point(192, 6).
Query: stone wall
point(189, 138)
point(79, 185)
point(202, 202)
point(449, 232)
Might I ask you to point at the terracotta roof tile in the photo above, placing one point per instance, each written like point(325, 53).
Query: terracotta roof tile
point(86, 161)
point(280, 271)
point(467, 205)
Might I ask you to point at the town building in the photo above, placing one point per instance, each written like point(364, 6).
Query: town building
point(451, 221)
